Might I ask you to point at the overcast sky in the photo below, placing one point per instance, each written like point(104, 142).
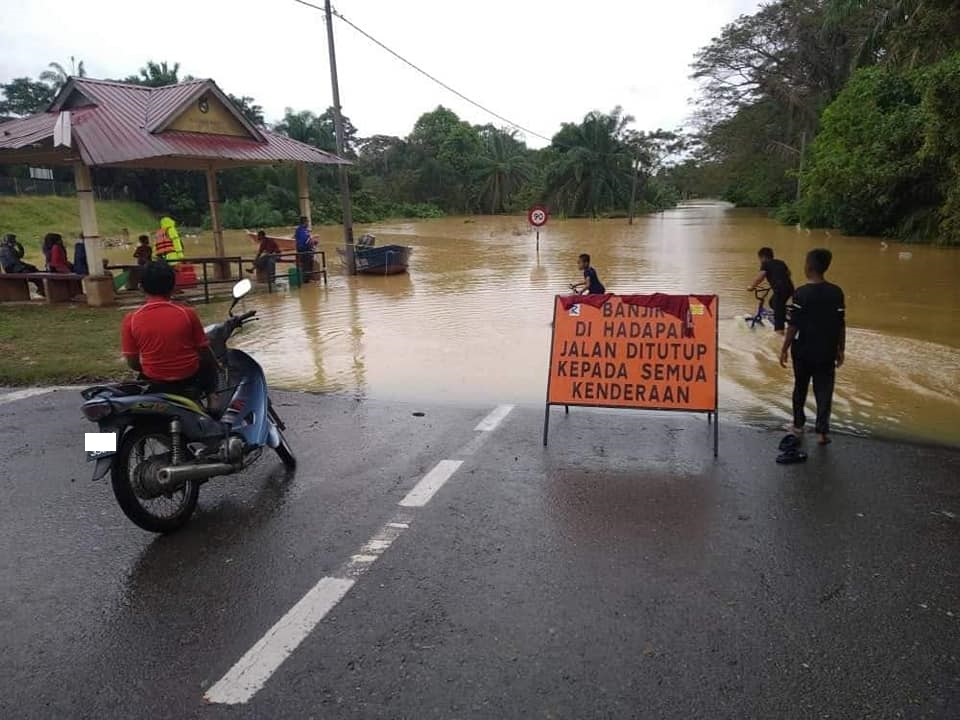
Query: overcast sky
point(537, 62)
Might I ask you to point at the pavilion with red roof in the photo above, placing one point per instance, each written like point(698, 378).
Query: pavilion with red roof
point(189, 126)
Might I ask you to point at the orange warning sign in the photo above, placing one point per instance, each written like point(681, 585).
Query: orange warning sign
point(652, 352)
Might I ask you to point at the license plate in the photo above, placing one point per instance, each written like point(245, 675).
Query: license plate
point(98, 445)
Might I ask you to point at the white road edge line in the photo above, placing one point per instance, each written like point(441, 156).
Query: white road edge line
point(431, 482)
point(31, 392)
point(244, 679)
point(490, 422)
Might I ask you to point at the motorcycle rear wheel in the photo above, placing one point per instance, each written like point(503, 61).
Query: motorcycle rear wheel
point(162, 514)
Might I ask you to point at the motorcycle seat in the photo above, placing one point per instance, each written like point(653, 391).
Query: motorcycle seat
point(114, 390)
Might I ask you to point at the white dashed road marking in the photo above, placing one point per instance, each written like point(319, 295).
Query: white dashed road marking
point(490, 422)
point(258, 664)
point(430, 483)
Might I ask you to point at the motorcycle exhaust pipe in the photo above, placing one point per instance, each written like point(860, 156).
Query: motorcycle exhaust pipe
point(176, 476)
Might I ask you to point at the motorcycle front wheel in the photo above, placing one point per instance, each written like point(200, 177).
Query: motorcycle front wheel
point(142, 452)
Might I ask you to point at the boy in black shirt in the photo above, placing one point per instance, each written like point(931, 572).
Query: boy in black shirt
point(816, 339)
point(591, 284)
point(777, 275)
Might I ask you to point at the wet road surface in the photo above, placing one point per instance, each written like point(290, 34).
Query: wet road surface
point(621, 572)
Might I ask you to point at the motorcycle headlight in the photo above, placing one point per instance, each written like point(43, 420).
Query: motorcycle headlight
point(96, 410)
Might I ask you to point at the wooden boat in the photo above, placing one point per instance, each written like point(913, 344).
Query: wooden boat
point(286, 244)
point(383, 260)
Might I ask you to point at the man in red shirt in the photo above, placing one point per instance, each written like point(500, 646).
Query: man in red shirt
point(165, 341)
point(267, 254)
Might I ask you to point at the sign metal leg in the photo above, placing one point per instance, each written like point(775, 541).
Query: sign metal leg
point(716, 433)
point(546, 424)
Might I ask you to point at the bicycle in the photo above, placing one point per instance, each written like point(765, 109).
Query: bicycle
point(763, 313)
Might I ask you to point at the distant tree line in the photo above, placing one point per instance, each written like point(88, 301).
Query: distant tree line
point(839, 113)
point(599, 166)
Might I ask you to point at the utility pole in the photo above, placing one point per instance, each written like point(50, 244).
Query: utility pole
point(803, 150)
point(633, 193)
point(338, 126)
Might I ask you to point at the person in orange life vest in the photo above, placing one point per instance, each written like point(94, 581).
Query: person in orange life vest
point(169, 246)
point(165, 341)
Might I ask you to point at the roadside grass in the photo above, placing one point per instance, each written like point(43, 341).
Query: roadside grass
point(30, 218)
point(69, 344)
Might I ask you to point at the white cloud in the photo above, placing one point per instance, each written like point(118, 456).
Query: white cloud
point(539, 63)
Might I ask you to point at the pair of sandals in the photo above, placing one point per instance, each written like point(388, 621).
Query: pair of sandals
point(790, 452)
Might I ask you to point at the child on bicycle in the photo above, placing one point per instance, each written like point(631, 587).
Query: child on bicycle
point(777, 275)
point(591, 284)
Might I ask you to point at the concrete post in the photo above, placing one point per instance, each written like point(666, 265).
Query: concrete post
point(303, 192)
point(88, 217)
point(213, 197)
point(97, 286)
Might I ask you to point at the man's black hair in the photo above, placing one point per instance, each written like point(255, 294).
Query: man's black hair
point(261, 233)
point(585, 257)
point(144, 237)
point(158, 279)
point(303, 220)
point(766, 253)
point(819, 260)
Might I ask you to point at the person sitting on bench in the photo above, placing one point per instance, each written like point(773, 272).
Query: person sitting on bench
point(56, 254)
point(11, 259)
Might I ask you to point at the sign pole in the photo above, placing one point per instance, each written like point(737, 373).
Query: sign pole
point(546, 424)
point(716, 433)
point(716, 382)
point(538, 240)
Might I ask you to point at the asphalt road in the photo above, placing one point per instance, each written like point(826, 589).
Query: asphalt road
point(621, 572)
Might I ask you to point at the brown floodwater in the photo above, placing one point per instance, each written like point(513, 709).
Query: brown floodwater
point(471, 322)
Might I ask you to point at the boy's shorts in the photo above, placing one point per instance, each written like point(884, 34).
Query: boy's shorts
point(778, 303)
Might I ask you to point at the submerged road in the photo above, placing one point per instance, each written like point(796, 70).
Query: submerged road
point(448, 566)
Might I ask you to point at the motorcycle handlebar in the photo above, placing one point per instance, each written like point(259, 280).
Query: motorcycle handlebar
point(247, 316)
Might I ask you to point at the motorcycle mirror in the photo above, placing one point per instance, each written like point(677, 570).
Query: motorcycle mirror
point(242, 288)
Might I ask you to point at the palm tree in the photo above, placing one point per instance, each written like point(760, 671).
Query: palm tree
point(57, 75)
point(155, 74)
point(502, 168)
point(592, 169)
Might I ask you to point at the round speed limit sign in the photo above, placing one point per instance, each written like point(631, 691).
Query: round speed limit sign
point(537, 215)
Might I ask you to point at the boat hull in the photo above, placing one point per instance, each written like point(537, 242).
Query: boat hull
point(383, 260)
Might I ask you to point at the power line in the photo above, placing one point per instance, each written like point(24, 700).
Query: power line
point(428, 75)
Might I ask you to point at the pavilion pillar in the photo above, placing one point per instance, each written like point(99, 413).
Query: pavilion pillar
point(98, 286)
point(303, 192)
point(221, 270)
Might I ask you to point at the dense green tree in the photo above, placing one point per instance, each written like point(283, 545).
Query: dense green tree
point(249, 107)
point(908, 33)
point(318, 130)
point(23, 96)
point(865, 174)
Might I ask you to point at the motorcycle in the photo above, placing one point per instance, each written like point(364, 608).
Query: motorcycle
point(161, 447)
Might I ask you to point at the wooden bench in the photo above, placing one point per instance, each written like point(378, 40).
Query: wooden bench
point(58, 287)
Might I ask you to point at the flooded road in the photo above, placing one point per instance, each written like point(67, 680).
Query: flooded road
point(471, 322)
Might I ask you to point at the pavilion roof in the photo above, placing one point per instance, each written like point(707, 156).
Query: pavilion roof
point(191, 125)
